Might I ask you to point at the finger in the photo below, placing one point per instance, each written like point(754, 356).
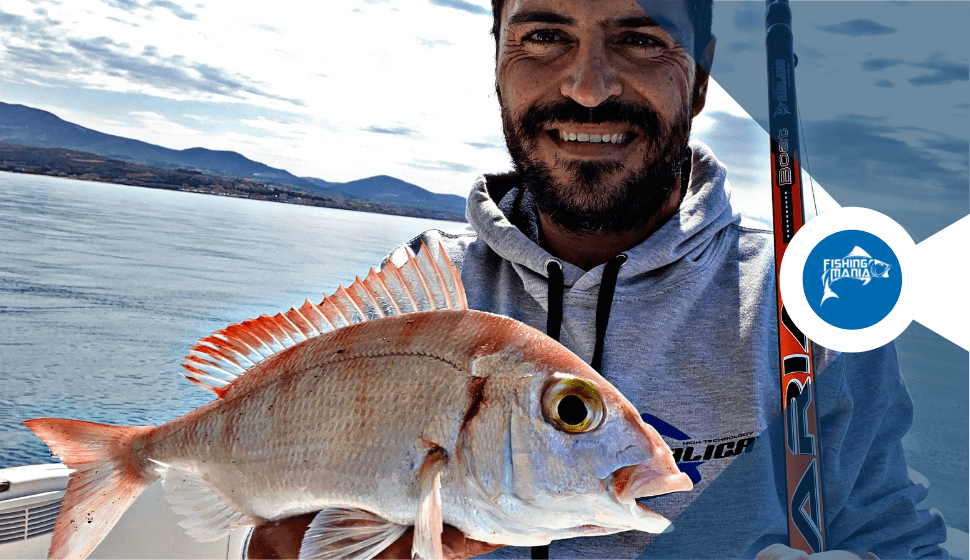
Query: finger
point(843, 555)
point(780, 552)
point(456, 546)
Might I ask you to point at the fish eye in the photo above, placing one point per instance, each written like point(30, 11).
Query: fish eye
point(572, 405)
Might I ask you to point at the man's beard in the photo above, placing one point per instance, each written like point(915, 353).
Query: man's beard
point(587, 202)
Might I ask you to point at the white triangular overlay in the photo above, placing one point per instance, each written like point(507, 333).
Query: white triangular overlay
point(941, 276)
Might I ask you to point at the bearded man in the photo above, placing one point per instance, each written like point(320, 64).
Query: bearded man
point(616, 235)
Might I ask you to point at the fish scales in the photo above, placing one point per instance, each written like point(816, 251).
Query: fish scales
point(438, 415)
point(309, 425)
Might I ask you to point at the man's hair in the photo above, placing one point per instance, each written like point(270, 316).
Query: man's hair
point(700, 12)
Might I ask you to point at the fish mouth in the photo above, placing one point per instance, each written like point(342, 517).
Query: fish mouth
point(644, 481)
point(647, 480)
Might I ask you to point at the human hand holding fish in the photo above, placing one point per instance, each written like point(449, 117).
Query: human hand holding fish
point(281, 539)
point(390, 405)
point(782, 552)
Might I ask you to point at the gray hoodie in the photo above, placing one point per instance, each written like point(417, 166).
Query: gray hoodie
point(691, 340)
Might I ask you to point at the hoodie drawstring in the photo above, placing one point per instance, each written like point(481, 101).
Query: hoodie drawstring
point(556, 285)
point(604, 303)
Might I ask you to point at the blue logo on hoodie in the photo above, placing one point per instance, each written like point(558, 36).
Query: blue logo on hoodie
point(694, 453)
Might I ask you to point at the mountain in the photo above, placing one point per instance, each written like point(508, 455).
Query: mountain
point(393, 191)
point(27, 126)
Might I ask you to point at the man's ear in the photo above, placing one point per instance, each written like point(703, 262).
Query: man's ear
point(702, 75)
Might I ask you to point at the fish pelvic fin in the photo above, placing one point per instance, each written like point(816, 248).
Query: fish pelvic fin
point(108, 476)
point(348, 533)
point(428, 524)
point(427, 281)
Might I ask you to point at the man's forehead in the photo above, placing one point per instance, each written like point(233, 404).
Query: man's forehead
point(672, 15)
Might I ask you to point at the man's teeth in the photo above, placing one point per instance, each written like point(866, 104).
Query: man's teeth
point(617, 138)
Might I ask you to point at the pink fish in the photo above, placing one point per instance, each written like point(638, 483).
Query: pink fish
point(388, 405)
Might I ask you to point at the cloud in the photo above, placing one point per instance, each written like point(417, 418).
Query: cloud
point(809, 52)
point(463, 6)
point(883, 83)
point(721, 66)
point(12, 20)
point(857, 28)
point(739, 47)
point(134, 5)
point(441, 166)
point(486, 145)
point(750, 20)
point(396, 131)
point(432, 43)
point(877, 64)
point(943, 72)
point(127, 5)
point(955, 146)
point(176, 10)
point(862, 161)
point(40, 50)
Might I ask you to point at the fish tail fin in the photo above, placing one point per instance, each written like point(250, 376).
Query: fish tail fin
point(108, 476)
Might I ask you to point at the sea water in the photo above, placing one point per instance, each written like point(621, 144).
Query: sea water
point(104, 288)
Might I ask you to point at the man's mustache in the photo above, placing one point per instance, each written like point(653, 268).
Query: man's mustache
point(641, 117)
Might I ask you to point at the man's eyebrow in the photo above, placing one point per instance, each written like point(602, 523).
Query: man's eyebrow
point(540, 16)
point(647, 21)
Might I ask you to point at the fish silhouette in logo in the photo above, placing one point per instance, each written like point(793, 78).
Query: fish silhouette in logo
point(857, 265)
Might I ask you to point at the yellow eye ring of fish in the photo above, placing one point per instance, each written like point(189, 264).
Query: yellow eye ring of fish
point(572, 405)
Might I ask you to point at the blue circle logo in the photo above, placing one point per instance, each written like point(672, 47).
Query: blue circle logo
point(852, 279)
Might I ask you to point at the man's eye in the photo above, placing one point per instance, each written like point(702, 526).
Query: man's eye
point(544, 36)
point(645, 41)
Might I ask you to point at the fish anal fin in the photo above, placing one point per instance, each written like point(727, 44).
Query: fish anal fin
point(428, 524)
point(348, 533)
point(208, 516)
point(424, 282)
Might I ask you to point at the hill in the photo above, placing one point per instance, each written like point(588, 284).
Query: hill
point(27, 126)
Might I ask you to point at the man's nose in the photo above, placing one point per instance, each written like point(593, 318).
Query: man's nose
point(591, 79)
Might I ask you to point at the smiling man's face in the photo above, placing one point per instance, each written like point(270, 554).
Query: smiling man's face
point(597, 99)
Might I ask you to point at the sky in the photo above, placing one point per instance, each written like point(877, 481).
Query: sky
point(351, 89)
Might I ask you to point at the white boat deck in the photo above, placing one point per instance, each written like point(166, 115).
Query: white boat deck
point(149, 529)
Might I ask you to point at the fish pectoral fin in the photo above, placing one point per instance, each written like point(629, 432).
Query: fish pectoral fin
point(348, 533)
point(428, 524)
point(208, 515)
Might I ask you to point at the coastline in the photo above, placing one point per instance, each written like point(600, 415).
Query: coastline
point(85, 166)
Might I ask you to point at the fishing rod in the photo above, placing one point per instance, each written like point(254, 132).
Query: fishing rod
point(806, 526)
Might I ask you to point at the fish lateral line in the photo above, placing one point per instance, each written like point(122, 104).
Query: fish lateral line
point(339, 358)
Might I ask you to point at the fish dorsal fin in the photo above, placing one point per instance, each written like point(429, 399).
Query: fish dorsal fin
point(424, 282)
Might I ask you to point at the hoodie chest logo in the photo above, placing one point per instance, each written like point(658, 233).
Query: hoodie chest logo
point(691, 453)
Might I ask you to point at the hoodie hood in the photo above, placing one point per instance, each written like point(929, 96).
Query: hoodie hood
point(705, 211)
